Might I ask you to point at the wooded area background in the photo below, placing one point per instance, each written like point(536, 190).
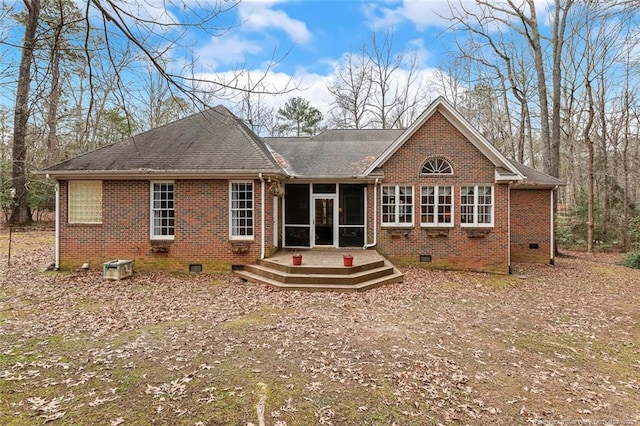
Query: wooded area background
point(560, 96)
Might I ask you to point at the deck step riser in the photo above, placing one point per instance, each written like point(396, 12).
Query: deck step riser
point(395, 278)
point(338, 270)
point(319, 279)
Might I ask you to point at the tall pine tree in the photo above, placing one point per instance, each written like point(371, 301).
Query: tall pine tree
point(298, 118)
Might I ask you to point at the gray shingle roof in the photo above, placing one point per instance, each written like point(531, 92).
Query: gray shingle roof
point(216, 142)
point(332, 153)
point(213, 141)
point(535, 178)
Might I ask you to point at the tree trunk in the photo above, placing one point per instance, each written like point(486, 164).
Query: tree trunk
point(559, 28)
point(21, 212)
point(590, 165)
point(54, 99)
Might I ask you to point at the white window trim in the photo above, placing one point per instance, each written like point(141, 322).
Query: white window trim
point(253, 211)
point(436, 224)
point(151, 225)
point(396, 223)
point(69, 202)
point(475, 223)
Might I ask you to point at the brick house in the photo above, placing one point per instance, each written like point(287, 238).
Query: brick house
point(206, 190)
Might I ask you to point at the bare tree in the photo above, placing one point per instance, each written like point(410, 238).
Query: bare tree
point(410, 94)
point(153, 31)
point(21, 212)
point(351, 90)
point(384, 67)
point(251, 108)
point(378, 87)
point(521, 19)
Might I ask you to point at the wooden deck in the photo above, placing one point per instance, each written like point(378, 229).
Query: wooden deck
point(323, 270)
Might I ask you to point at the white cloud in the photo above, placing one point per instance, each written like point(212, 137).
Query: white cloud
point(227, 50)
point(432, 13)
point(259, 16)
point(313, 86)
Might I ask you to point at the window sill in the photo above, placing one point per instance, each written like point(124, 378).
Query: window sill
point(398, 231)
point(436, 232)
point(393, 227)
point(240, 246)
point(160, 246)
point(478, 232)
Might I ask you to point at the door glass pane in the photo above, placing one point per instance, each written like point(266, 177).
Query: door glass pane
point(324, 221)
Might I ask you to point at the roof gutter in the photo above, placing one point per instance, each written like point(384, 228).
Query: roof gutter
point(156, 174)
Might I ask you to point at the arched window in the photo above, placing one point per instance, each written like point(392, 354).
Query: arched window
point(437, 166)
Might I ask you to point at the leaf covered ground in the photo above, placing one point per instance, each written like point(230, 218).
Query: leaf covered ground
point(548, 345)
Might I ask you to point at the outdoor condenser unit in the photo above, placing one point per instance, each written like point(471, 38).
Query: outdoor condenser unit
point(117, 269)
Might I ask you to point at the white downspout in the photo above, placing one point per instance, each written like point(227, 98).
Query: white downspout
point(56, 247)
point(262, 218)
point(509, 228)
point(375, 216)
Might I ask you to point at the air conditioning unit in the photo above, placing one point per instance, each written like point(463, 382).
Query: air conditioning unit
point(117, 269)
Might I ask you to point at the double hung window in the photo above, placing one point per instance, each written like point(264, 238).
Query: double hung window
point(241, 210)
point(476, 205)
point(162, 211)
point(397, 205)
point(436, 206)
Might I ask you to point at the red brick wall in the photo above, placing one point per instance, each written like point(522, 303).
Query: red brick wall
point(455, 247)
point(530, 224)
point(201, 231)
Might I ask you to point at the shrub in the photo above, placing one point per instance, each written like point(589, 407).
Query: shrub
point(632, 260)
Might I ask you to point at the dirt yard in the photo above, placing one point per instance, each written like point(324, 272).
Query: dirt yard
point(546, 346)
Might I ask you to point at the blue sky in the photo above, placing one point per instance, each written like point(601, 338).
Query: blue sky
point(315, 35)
point(311, 37)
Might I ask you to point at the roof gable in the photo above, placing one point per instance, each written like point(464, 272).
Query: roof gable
point(504, 169)
point(213, 141)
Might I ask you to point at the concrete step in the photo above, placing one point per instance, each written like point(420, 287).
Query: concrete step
point(322, 276)
point(322, 269)
point(394, 277)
